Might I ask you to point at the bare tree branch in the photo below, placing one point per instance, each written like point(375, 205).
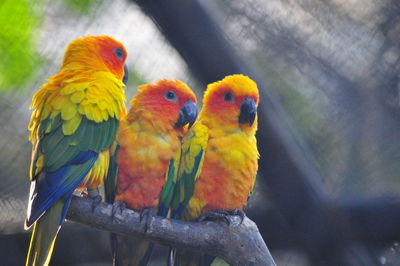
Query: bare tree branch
point(237, 244)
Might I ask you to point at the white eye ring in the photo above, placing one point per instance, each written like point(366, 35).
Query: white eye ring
point(171, 96)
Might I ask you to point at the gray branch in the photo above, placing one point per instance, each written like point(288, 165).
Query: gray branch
point(237, 244)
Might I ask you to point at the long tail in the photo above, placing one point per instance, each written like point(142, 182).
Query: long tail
point(178, 257)
point(187, 258)
point(44, 235)
point(131, 251)
point(126, 251)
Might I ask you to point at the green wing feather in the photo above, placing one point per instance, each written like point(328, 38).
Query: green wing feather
point(169, 185)
point(60, 149)
point(184, 170)
point(110, 183)
point(57, 151)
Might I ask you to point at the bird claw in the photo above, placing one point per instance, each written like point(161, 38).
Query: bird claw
point(224, 216)
point(215, 215)
point(94, 194)
point(117, 206)
point(96, 201)
point(146, 215)
point(240, 213)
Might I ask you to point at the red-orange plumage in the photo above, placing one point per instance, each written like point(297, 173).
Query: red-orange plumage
point(148, 140)
point(143, 161)
point(104, 46)
point(229, 166)
point(218, 164)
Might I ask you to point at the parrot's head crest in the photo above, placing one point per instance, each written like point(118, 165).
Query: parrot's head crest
point(100, 53)
point(232, 103)
point(170, 104)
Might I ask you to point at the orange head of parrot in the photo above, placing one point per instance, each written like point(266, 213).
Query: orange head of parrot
point(169, 104)
point(100, 53)
point(231, 103)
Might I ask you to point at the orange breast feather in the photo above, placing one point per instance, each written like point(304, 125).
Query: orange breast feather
point(228, 174)
point(143, 160)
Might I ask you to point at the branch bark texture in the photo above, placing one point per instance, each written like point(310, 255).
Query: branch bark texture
point(237, 244)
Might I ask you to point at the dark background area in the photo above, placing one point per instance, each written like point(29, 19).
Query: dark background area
point(328, 189)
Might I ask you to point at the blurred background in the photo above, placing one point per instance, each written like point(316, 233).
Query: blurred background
point(328, 189)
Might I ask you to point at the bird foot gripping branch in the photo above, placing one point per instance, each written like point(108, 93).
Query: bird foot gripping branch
point(94, 194)
point(238, 245)
point(145, 216)
point(117, 207)
point(224, 216)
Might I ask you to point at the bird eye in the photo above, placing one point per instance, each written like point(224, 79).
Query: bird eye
point(229, 98)
point(171, 96)
point(119, 53)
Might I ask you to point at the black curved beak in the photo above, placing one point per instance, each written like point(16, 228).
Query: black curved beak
point(248, 111)
point(126, 74)
point(187, 114)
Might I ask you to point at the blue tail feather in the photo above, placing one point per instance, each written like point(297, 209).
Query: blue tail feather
point(65, 209)
point(162, 210)
point(61, 183)
point(177, 213)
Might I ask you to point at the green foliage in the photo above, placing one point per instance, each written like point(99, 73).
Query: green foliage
point(84, 6)
point(19, 59)
point(19, 20)
point(135, 78)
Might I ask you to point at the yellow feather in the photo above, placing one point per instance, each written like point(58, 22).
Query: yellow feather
point(192, 144)
point(48, 129)
point(59, 102)
point(97, 116)
point(39, 164)
point(69, 127)
point(68, 89)
point(104, 114)
point(85, 102)
point(73, 87)
point(88, 111)
point(103, 105)
point(54, 113)
point(81, 109)
point(45, 112)
point(77, 97)
point(99, 170)
point(68, 110)
point(195, 207)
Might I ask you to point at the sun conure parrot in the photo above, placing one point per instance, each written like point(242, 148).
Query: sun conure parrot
point(148, 138)
point(74, 123)
point(219, 157)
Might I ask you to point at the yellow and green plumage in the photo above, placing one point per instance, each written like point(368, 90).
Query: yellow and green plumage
point(74, 123)
point(219, 158)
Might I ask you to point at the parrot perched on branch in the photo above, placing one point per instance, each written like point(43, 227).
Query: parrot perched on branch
point(74, 123)
point(148, 138)
point(219, 158)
